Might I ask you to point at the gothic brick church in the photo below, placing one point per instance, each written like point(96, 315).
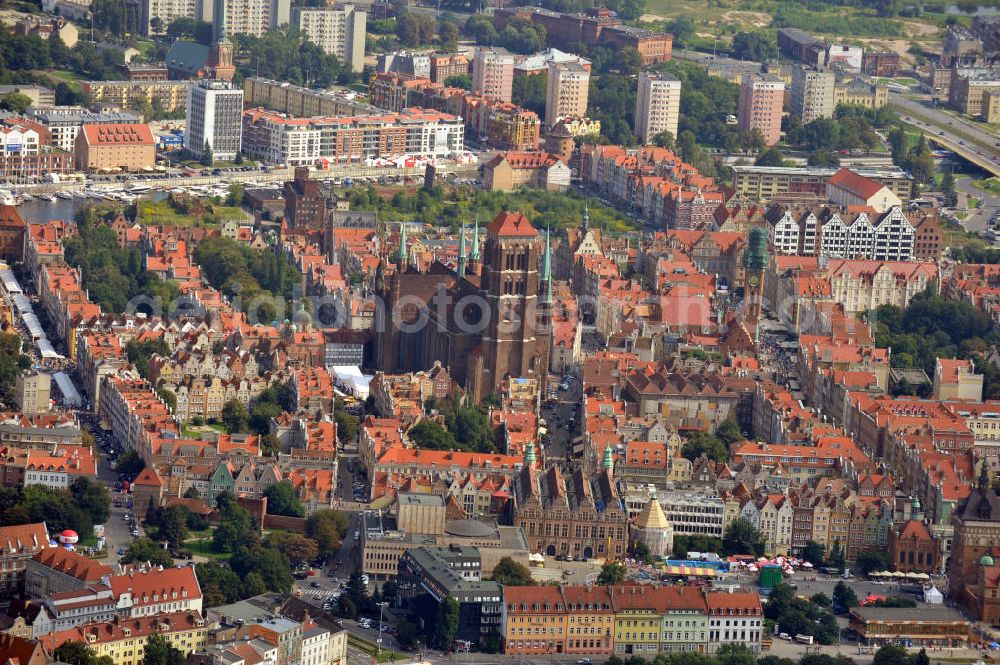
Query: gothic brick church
point(486, 320)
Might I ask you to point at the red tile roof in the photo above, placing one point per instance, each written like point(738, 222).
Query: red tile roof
point(856, 184)
point(511, 224)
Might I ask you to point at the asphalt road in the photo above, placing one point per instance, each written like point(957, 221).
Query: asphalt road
point(978, 218)
point(967, 140)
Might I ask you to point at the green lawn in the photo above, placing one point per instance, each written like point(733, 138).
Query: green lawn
point(203, 548)
point(901, 80)
point(161, 212)
point(991, 185)
point(195, 431)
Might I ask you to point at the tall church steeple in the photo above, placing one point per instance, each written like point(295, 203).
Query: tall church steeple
point(461, 252)
point(474, 256)
point(402, 256)
point(586, 216)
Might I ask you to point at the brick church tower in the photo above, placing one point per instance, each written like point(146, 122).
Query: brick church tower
point(516, 340)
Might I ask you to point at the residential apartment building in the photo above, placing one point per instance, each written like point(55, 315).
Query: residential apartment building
point(767, 182)
point(214, 119)
point(628, 620)
point(276, 139)
point(493, 74)
point(166, 11)
point(812, 94)
point(761, 100)
point(122, 639)
point(55, 570)
point(657, 105)
point(115, 148)
point(300, 102)
point(834, 233)
point(64, 122)
point(247, 17)
point(18, 544)
point(394, 92)
point(445, 65)
point(165, 96)
point(339, 31)
point(566, 92)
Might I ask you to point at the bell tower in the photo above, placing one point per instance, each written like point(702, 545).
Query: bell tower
point(220, 63)
point(511, 282)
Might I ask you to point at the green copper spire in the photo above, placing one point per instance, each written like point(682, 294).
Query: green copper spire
point(461, 253)
point(609, 460)
point(402, 255)
point(474, 256)
point(529, 454)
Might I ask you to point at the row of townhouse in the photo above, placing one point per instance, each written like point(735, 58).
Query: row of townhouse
point(654, 183)
point(639, 620)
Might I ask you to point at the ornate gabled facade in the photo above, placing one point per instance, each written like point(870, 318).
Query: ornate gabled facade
point(581, 517)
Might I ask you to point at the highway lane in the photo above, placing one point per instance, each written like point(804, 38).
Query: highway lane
point(966, 140)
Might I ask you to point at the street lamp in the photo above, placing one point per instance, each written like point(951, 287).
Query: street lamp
point(378, 642)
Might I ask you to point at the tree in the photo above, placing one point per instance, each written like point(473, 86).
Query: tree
point(459, 81)
point(836, 558)
point(823, 158)
point(159, 651)
point(530, 91)
point(282, 500)
point(813, 553)
point(143, 549)
point(700, 443)
point(327, 528)
point(219, 584)
point(130, 463)
point(407, 633)
point(207, 158)
point(683, 29)
point(270, 446)
point(432, 436)
point(298, 548)
point(16, 102)
point(612, 573)
point(236, 526)
point(948, 189)
point(729, 432)
point(272, 566)
point(844, 596)
point(448, 35)
point(664, 140)
point(74, 653)
point(821, 599)
point(57, 508)
point(758, 46)
point(446, 624)
point(770, 157)
point(510, 573)
point(347, 427)
point(742, 538)
point(235, 416)
point(93, 498)
point(173, 525)
point(168, 397)
point(891, 654)
point(871, 561)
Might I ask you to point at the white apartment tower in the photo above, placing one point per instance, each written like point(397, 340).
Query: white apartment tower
point(215, 118)
point(657, 106)
point(339, 31)
point(245, 17)
point(566, 92)
point(812, 94)
point(493, 74)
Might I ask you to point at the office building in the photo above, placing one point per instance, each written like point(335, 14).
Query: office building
point(566, 92)
point(453, 571)
point(493, 74)
point(657, 106)
point(214, 119)
point(761, 99)
point(338, 31)
point(812, 94)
